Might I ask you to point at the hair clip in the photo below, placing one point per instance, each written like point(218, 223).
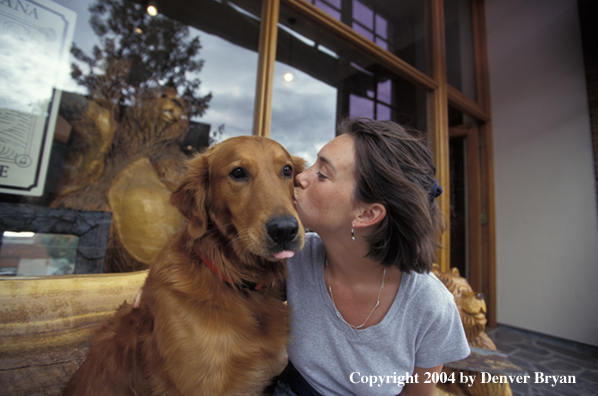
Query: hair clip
point(435, 191)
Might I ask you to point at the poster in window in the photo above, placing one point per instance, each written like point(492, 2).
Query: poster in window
point(35, 41)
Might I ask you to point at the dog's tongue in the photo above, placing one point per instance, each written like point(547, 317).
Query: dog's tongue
point(284, 254)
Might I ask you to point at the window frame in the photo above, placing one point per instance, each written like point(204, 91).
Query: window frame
point(440, 96)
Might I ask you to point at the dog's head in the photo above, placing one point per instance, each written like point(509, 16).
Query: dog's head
point(241, 191)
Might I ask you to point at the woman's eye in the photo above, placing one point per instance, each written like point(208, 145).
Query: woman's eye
point(239, 174)
point(321, 175)
point(287, 171)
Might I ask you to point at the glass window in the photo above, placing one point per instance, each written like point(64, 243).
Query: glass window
point(459, 216)
point(460, 56)
point(319, 79)
point(134, 96)
point(332, 8)
point(396, 26)
point(206, 50)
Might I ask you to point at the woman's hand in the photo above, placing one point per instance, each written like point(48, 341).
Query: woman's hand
point(421, 388)
point(137, 302)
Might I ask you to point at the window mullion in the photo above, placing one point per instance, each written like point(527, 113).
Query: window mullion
point(262, 115)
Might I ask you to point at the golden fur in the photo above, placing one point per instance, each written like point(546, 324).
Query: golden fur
point(193, 333)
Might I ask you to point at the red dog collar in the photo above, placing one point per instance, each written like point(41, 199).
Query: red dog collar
point(244, 283)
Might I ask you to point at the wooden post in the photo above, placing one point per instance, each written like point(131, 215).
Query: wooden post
point(486, 159)
point(438, 114)
point(262, 115)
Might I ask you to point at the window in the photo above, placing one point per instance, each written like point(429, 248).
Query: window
point(333, 58)
point(320, 79)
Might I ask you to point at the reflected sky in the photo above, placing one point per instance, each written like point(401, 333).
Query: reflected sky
point(303, 112)
point(34, 41)
point(303, 109)
point(26, 84)
point(229, 73)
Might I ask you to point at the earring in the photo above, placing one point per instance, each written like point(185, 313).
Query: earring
point(352, 233)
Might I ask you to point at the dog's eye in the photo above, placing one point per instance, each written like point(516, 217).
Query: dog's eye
point(287, 171)
point(239, 174)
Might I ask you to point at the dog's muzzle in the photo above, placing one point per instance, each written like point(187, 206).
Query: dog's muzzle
point(283, 230)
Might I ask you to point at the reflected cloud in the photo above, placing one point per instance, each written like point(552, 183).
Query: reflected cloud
point(303, 113)
point(230, 74)
point(304, 109)
point(28, 68)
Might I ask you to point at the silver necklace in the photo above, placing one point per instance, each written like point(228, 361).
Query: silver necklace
point(339, 314)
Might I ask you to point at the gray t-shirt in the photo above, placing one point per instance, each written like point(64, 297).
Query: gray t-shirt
point(421, 329)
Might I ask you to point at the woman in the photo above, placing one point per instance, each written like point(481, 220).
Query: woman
point(367, 318)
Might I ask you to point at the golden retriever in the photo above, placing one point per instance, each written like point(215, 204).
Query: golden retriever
point(211, 320)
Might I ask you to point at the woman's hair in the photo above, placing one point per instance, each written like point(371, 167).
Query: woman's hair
point(394, 167)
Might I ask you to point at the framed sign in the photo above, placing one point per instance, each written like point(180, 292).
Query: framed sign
point(35, 42)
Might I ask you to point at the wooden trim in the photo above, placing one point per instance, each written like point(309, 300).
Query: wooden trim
point(486, 161)
point(262, 113)
point(463, 103)
point(347, 34)
point(474, 208)
point(480, 45)
point(438, 113)
point(458, 131)
point(489, 229)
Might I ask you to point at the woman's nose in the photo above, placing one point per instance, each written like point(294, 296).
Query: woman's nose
point(301, 180)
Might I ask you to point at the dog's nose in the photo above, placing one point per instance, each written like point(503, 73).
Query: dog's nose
point(283, 229)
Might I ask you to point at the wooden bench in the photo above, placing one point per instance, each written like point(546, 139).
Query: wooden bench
point(46, 326)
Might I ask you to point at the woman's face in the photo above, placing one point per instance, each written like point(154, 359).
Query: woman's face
point(323, 197)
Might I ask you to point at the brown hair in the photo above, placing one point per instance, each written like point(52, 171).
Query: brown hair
point(394, 167)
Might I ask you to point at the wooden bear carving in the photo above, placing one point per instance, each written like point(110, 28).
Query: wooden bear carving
point(126, 160)
point(472, 309)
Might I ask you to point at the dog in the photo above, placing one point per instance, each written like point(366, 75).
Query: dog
point(211, 318)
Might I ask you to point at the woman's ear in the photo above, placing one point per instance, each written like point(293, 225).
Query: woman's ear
point(369, 215)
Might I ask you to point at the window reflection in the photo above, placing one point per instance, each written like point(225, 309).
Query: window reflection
point(303, 112)
point(398, 27)
point(227, 33)
point(220, 79)
point(460, 56)
point(144, 93)
point(37, 254)
point(333, 80)
point(377, 93)
point(34, 47)
point(331, 8)
point(363, 15)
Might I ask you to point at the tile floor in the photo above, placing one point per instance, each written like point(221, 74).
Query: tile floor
point(549, 356)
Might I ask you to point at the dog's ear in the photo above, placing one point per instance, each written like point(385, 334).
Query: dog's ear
point(191, 196)
point(299, 165)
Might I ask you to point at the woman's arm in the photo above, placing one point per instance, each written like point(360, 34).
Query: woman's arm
point(421, 388)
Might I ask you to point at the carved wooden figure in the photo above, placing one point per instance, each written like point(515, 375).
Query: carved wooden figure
point(472, 309)
point(127, 162)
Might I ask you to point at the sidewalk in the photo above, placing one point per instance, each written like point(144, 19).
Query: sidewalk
point(549, 356)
